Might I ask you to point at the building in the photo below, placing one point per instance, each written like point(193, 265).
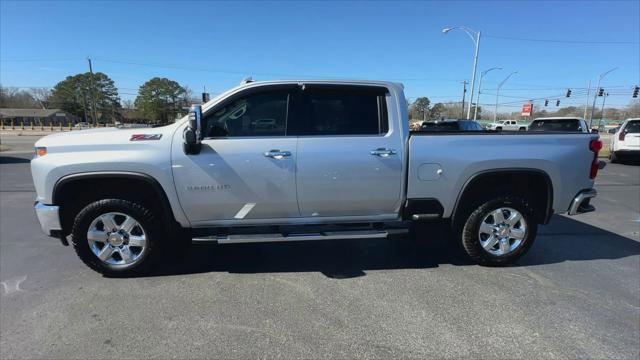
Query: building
point(38, 117)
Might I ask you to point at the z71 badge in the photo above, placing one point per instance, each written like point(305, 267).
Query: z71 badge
point(143, 137)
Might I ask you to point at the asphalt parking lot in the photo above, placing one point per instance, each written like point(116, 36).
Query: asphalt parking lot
point(576, 294)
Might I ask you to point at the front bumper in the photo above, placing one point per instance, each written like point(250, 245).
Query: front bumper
point(580, 204)
point(49, 218)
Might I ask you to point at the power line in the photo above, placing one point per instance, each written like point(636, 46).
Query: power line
point(564, 41)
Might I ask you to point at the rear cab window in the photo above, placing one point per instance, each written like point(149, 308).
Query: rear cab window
point(571, 125)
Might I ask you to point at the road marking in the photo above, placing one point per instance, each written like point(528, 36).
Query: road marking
point(244, 211)
point(13, 285)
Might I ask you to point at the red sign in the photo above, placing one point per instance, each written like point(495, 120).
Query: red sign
point(527, 109)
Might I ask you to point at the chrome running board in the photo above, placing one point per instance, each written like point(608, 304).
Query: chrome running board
point(300, 236)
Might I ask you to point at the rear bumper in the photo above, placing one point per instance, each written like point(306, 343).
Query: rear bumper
point(49, 218)
point(581, 203)
point(627, 152)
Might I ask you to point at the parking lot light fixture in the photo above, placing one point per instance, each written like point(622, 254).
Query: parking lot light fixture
point(482, 74)
point(495, 114)
point(593, 106)
point(475, 37)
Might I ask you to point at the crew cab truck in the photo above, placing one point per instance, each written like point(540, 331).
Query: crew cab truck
point(337, 162)
point(507, 125)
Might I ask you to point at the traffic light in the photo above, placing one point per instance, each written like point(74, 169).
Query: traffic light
point(601, 92)
point(568, 92)
point(557, 102)
point(546, 102)
point(636, 89)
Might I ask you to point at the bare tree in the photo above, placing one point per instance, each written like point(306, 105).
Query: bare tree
point(41, 95)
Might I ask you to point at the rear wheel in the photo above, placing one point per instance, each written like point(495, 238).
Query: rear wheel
point(499, 231)
point(116, 237)
point(613, 157)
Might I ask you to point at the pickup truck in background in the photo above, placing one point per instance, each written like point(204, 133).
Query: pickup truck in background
point(507, 125)
point(561, 124)
point(337, 161)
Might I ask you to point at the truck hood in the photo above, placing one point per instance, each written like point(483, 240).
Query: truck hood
point(105, 138)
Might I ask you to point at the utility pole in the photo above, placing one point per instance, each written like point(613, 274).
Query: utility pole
point(93, 95)
point(464, 93)
point(84, 106)
point(586, 103)
point(604, 98)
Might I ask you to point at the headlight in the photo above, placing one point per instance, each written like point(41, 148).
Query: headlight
point(41, 151)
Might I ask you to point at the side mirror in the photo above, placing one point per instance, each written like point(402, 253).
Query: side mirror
point(594, 131)
point(192, 133)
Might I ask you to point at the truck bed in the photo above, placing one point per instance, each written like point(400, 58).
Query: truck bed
point(441, 163)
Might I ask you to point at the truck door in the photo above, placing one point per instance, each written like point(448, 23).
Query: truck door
point(246, 169)
point(349, 157)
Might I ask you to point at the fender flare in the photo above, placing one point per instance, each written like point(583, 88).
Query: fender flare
point(164, 200)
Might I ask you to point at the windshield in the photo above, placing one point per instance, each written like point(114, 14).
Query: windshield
point(633, 127)
point(556, 125)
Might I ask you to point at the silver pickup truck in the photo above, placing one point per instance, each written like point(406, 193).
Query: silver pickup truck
point(302, 160)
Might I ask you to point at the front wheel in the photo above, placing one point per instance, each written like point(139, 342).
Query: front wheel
point(499, 231)
point(116, 237)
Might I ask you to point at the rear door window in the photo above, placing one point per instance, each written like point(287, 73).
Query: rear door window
point(342, 110)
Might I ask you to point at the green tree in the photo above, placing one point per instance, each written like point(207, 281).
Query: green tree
point(159, 100)
point(73, 94)
point(437, 111)
point(420, 108)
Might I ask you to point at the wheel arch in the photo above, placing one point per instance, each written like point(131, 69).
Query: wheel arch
point(108, 184)
point(543, 205)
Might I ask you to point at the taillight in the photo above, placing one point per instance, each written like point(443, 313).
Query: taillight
point(594, 146)
point(621, 136)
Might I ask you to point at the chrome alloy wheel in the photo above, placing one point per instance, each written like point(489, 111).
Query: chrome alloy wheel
point(117, 239)
point(502, 231)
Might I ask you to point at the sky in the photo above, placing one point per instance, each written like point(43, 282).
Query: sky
point(214, 44)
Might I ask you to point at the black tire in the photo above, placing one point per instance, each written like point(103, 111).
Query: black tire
point(499, 128)
point(470, 228)
point(522, 129)
point(145, 217)
point(614, 158)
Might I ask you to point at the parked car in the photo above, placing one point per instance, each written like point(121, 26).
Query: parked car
point(451, 125)
point(613, 130)
point(626, 141)
point(341, 159)
point(508, 125)
point(563, 124)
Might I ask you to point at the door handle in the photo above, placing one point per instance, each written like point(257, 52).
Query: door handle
point(382, 152)
point(277, 154)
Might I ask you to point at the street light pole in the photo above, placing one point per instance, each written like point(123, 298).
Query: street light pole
point(482, 74)
point(475, 37)
point(595, 96)
point(495, 114)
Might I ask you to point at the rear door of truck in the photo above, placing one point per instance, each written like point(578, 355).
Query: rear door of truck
point(349, 156)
